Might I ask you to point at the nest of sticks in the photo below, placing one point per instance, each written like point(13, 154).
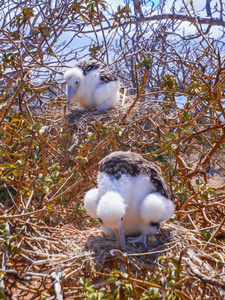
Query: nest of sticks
point(53, 262)
point(59, 244)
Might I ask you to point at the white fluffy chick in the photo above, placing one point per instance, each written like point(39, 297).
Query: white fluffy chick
point(132, 197)
point(92, 87)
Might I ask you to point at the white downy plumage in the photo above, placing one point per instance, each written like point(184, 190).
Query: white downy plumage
point(129, 201)
point(92, 86)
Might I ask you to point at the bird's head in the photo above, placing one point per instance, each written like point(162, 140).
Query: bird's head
point(154, 209)
point(73, 78)
point(111, 210)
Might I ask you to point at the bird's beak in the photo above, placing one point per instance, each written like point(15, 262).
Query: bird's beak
point(119, 233)
point(71, 91)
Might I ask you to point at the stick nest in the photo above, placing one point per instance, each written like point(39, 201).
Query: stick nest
point(52, 243)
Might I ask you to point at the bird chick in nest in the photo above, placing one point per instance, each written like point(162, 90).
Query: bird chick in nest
point(92, 86)
point(132, 197)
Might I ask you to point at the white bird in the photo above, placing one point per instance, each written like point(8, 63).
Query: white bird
point(132, 197)
point(92, 86)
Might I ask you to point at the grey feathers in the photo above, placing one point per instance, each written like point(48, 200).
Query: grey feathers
point(104, 75)
point(118, 163)
point(88, 65)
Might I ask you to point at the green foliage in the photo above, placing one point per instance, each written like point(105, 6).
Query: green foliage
point(40, 171)
point(169, 83)
point(4, 194)
point(206, 234)
point(153, 293)
point(92, 10)
point(94, 50)
point(24, 16)
point(146, 62)
point(8, 242)
point(120, 287)
point(195, 87)
point(123, 12)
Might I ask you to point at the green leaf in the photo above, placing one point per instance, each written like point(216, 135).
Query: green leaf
point(146, 63)
point(9, 172)
point(114, 271)
point(152, 293)
point(81, 159)
point(48, 179)
point(38, 91)
point(89, 283)
point(140, 65)
point(170, 135)
point(47, 33)
point(55, 167)
point(36, 126)
point(28, 11)
point(169, 294)
point(112, 280)
point(158, 132)
point(83, 281)
point(206, 234)
point(90, 297)
point(20, 124)
point(7, 165)
point(102, 5)
point(174, 261)
point(1, 295)
point(124, 275)
point(171, 283)
point(161, 257)
point(19, 163)
point(186, 117)
point(107, 297)
point(104, 129)
point(89, 289)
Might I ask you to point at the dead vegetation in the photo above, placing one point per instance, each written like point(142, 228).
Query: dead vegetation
point(51, 248)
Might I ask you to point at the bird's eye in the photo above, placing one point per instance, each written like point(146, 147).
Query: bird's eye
point(154, 224)
point(76, 82)
point(100, 221)
point(121, 219)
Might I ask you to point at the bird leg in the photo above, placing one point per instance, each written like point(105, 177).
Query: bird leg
point(142, 239)
point(138, 239)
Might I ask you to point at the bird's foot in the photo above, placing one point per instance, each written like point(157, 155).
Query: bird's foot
point(152, 239)
point(98, 111)
point(143, 240)
point(138, 239)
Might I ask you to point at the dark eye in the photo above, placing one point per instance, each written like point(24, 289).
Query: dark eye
point(155, 224)
point(76, 82)
point(121, 219)
point(100, 221)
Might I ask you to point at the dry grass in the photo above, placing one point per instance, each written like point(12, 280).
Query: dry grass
point(57, 243)
point(50, 248)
